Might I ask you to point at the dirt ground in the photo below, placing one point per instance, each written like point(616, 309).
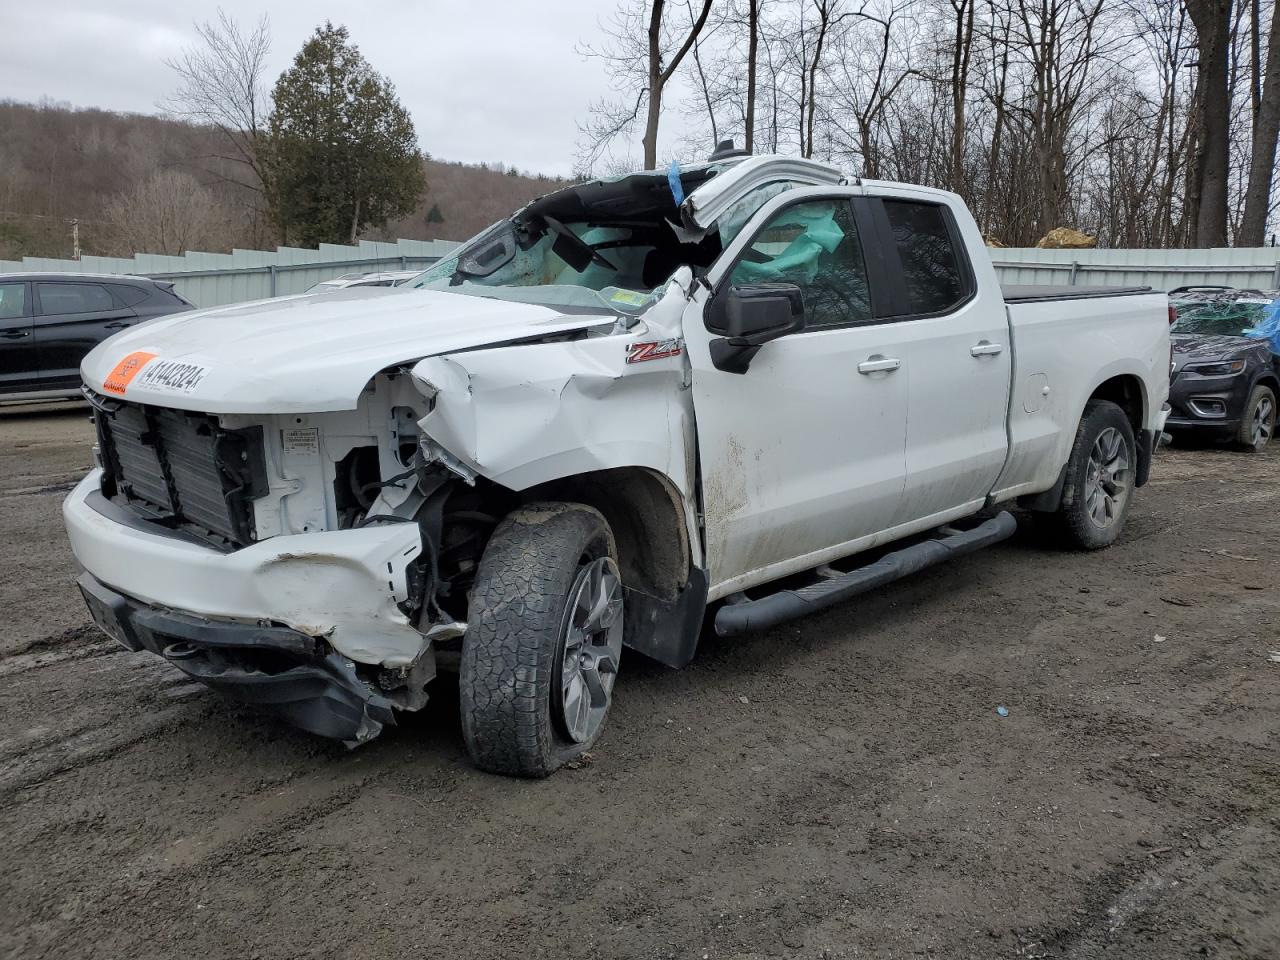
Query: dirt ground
point(838, 787)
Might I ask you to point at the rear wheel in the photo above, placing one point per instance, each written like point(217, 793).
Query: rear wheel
point(543, 641)
point(1099, 479)
point(1258, 423)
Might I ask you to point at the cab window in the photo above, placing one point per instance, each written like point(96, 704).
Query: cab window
point(13, 298)
point(815, 246)
point(58, 298)
point(932, 271)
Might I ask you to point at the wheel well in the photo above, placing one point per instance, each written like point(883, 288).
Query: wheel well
point(1269, 379)
point(644, 511)
point(1125, 391)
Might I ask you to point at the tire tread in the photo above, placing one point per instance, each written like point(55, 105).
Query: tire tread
point(513, 629)
point(1069, 523)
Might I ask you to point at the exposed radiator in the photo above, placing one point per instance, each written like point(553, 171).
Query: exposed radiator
point(182, 469)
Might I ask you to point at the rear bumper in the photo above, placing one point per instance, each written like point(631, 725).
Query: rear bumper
point(286, 671)
point(343, 586)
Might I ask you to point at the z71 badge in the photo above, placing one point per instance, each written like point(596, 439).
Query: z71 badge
point(654, 350)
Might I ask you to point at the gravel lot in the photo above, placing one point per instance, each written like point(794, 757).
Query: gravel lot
point(838, 787)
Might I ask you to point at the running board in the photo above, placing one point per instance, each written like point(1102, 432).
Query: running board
point(748, 615)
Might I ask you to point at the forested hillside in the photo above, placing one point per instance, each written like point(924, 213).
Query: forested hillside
point(104, 170)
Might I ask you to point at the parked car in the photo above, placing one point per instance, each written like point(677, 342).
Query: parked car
point(395, 278)
point(49, 321)
point(633, 402)
point(1224, 384)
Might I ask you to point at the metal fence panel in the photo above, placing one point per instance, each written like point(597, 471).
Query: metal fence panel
point(214, 279)
point(1254, 267)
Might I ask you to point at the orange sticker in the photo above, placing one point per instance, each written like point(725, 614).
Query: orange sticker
point(118, 379)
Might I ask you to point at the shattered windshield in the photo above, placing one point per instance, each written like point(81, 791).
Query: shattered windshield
point(573, 264)
point(1222, 317)
point(610, 244)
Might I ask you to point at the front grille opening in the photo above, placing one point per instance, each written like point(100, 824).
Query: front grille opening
point(182, 469)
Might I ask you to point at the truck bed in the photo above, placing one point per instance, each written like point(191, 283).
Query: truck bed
point(1014, 293)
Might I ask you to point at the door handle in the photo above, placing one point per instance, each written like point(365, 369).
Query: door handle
point(118, 325)
point(879, 363)
point(15, 334)
point(985, 348)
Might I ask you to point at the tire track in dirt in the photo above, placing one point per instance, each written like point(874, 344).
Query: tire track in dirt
point(864, 800)
point(91, 746)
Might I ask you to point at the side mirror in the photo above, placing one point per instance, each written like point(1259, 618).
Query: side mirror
point(750, 316)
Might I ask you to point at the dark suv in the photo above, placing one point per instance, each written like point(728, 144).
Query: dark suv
point(49, 321)
point(1223, 384)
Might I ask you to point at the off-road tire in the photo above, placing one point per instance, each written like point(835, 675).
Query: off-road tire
point(1244, 435)
point(514, 625)
point(1071, 524)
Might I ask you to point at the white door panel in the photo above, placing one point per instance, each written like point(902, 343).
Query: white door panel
point(802, 452)
point(956, 435)
point(957, 410)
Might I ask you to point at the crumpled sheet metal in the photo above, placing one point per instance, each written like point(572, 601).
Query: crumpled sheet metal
point(523, 415)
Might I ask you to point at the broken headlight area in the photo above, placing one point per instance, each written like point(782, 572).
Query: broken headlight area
point(456, 519)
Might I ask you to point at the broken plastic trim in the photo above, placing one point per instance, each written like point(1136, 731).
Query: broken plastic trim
point(432, 452)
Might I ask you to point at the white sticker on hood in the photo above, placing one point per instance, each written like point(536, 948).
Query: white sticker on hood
point(173, 375)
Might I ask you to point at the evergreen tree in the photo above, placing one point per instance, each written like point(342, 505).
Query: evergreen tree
point(342, 151)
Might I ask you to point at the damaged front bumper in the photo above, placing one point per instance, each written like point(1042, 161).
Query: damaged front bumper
point(343, 586)
point(312, 625)
point(288, 672)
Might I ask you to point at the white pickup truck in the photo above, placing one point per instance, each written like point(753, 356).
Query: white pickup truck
point(750, 388)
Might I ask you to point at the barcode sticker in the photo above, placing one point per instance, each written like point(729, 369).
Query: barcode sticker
point(302, 441)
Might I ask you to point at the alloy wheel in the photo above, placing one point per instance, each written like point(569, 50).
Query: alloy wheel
point(591, 645)
point(1106, 485)
point(1264, 421)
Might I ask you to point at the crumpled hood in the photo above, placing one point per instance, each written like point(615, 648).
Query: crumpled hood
point(305, 354)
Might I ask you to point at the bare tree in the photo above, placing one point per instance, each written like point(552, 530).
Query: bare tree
point(639, 55)
point(1094, 114)
point(874, 62)
point(828, 17)
point(753, 52)
point(961, 61)
point(220, 84)
point(1266, 130)
point(1212, 19)
point(170, 213)
point(703, 83)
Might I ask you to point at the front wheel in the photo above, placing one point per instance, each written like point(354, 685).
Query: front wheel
point(543, 641)
point(1258, 422)
point(1099, 479)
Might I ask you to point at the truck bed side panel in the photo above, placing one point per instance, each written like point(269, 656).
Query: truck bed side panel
point(1063, 350)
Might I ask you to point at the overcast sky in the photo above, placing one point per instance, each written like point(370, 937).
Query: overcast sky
point(494, 81)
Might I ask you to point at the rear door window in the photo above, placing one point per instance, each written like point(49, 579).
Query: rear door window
point(934, 273)
point(13, 300)
point(60, 298)
point(129, 295)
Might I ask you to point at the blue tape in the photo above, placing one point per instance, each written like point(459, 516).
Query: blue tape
point(673, 179)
